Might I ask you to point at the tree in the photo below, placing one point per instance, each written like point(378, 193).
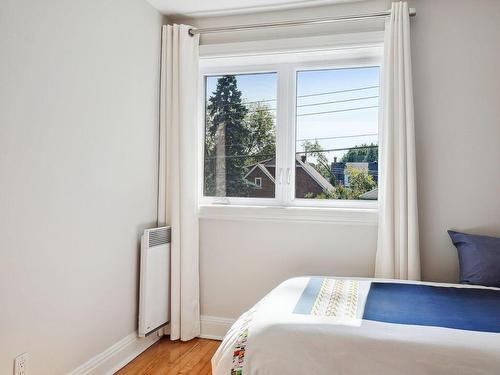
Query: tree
point(209, 165)
point(362, 153)
point(322, 164)
point(360, 182)
point(227, 129)
point(237, 135)
point(261, 142)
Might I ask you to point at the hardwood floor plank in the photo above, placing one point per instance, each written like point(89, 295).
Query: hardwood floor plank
point(199, 361)
point(167, 357)
point(185, 365)
point(204, 367)
point(164, 351)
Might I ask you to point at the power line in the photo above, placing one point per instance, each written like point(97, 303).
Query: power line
point(297, 152)
point(338, 91)
point(239, 156)
point(338, 101)
point(337, 149)
point(260, 101)
point(317, 94)
point(336, 111)
point(320, 113)
point(339, 137)
point(314, 104)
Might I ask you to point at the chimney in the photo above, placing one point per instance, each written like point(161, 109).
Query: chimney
point(303, 158)
point(334, 159)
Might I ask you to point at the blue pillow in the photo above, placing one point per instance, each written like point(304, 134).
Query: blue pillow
point(479, 258)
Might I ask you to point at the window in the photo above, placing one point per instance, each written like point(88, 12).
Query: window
point(337, 133)
point(258, 182)
point(295, 133)
point(240, 136)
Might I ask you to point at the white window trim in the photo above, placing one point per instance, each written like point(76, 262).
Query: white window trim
point(324, 53)
point(347, 216)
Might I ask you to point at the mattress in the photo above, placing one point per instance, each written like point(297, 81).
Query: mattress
point(327, 325)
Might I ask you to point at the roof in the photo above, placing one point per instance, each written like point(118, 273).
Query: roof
point(318, 177)
point(263, 168)
point(308, 168)
point(370, 195)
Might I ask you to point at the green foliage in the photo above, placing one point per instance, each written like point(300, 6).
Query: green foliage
point(261, 142)
point(322, 165)
point(209, 165)
point(225, 109)
point(249, 136)
point(368, 154)
point(322, 195)
point(360, 182)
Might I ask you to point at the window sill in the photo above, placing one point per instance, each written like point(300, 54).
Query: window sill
point(358, 216)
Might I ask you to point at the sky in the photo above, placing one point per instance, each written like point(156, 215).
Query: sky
point(358, 123)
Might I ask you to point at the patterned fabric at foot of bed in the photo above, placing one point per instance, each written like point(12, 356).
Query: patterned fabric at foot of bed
point(329, 298)
point(241, 343)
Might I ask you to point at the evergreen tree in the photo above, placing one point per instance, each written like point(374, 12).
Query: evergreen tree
point(226, 130)
point(209, 164)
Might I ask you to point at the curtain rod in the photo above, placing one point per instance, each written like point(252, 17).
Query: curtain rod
point(412, 12)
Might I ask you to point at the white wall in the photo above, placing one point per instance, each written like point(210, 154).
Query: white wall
point(455, 64)
point(241, 261)
point(354, 7)
point(78, 156)
point(456, 60)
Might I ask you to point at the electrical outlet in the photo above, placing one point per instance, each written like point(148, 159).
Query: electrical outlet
point(20, 364)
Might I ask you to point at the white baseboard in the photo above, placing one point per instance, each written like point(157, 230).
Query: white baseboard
point(124, 351)
point(116, 356)
point(214, 327)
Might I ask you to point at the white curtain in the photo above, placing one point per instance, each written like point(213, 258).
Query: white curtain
point(397, 247)
point(177, 204)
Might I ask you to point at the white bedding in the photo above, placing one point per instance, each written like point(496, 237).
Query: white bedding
point(275, 340)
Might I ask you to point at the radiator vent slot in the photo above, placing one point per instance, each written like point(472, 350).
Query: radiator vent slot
point(159, 236)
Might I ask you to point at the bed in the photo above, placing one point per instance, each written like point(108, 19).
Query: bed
point(326, 325)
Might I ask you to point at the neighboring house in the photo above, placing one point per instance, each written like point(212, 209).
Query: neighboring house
point(261, 177)
point(339, 170)
point(308, 180)
point(370, 195)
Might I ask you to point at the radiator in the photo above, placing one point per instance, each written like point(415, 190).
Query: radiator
point(154, 287)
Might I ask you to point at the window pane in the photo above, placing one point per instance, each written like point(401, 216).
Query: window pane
point(337, 134)
point(240, 136)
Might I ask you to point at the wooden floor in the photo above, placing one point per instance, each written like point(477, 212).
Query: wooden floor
point(167, 357)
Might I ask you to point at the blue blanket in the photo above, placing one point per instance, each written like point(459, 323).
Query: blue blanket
point(450, 307)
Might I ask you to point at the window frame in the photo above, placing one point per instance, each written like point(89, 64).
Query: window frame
point(287, 67)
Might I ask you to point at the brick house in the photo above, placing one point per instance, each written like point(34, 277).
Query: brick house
point(262, 177)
